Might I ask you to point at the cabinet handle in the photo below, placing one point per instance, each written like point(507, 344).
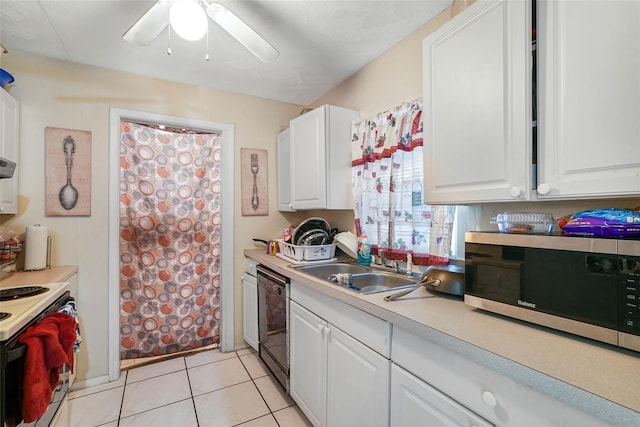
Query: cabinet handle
point(544, 189)
point(489, 399)
point(515, 192)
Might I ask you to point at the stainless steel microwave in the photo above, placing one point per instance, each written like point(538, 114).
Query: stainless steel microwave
point(581, 285)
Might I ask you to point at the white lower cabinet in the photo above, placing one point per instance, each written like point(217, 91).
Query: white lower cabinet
point(416, 403)
point(308, 363)
point(357, 383)
point(335, 379)
point(250, 310)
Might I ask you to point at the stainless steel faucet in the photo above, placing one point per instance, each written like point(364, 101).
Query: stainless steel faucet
point(382, 261)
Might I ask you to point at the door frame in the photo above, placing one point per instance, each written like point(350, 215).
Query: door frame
point(227, 203)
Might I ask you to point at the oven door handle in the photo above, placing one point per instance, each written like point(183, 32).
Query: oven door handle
point(16, 353)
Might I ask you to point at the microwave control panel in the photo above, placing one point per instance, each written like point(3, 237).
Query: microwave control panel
point(629, 321)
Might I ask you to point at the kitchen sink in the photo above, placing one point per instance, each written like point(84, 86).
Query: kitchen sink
point(323, 271)
point(379, 281)
point(358, 278)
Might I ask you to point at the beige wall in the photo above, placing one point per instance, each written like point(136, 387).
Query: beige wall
point(68, 95)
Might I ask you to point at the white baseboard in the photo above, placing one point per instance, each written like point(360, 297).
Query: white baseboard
point(79, 385)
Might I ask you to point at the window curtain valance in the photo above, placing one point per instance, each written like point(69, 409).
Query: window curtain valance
point(387, 178)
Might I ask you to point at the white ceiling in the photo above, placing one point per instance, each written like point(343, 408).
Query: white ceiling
point(321, 42)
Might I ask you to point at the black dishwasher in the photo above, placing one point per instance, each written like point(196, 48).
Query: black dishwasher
point(273, 323)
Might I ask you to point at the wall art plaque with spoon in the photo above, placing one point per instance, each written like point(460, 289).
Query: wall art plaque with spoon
point(68, 172)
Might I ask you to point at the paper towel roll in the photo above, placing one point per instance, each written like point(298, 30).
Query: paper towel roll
point(35, 256)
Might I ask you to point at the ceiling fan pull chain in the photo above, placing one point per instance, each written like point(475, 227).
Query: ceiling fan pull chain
point(206, 56)
point(169, 41)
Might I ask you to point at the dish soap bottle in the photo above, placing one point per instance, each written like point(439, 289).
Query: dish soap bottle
point(364, 251)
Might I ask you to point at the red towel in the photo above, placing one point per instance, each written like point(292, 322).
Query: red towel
point(49, 346)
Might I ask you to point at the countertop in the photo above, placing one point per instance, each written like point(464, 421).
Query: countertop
point(598, 378)
point(48, 275)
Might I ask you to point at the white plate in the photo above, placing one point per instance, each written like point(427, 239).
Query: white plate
point(348, 243)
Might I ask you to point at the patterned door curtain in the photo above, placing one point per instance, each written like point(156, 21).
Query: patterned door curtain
point(169, 240)
point(387, 179)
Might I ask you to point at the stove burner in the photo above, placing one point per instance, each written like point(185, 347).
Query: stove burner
point(4, 315)
point(16, 293)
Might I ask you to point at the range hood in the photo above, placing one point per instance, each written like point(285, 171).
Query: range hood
point(7, 167)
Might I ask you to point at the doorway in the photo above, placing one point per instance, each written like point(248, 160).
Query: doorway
point(220, 135)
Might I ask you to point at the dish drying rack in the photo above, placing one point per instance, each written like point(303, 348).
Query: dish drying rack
point(298, 254)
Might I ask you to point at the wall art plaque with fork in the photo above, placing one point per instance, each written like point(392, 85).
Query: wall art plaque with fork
point(68, 172)
point(254, 185)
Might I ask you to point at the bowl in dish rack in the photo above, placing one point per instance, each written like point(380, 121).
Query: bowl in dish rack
point(316, 224)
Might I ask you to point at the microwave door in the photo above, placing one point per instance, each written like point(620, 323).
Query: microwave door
point(575, 285)
point(494, 272)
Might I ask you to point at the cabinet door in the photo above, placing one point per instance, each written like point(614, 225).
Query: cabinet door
point(477, 105)
point(357, 383)
point(308, 160)
point(9, 142)
point(589, 99)
point(284, 171)
point(308, 359)
point(250, 310)
point(416, 403)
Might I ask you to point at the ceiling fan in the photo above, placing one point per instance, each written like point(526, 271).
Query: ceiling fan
point(191, 13)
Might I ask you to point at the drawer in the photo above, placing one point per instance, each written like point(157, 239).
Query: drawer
point(492, 395)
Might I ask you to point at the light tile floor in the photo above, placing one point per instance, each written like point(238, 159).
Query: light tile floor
point(209, 388)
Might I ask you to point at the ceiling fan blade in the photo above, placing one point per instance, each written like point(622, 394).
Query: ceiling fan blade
point(150, 25)
point(242, 32)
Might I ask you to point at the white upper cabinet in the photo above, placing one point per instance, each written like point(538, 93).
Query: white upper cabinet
point(477, 105)
point(321, 159)
point(9, 143)
point(284, 171)
point(589, 102)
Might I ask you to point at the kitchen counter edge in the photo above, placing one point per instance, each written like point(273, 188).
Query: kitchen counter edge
point(603, 383)
point(60, 273)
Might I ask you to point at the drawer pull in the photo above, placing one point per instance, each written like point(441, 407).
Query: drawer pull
point(489, 399)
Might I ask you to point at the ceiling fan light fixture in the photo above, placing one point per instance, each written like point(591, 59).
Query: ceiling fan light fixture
point(188, 19)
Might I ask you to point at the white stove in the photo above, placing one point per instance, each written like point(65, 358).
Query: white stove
point(23, 310)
